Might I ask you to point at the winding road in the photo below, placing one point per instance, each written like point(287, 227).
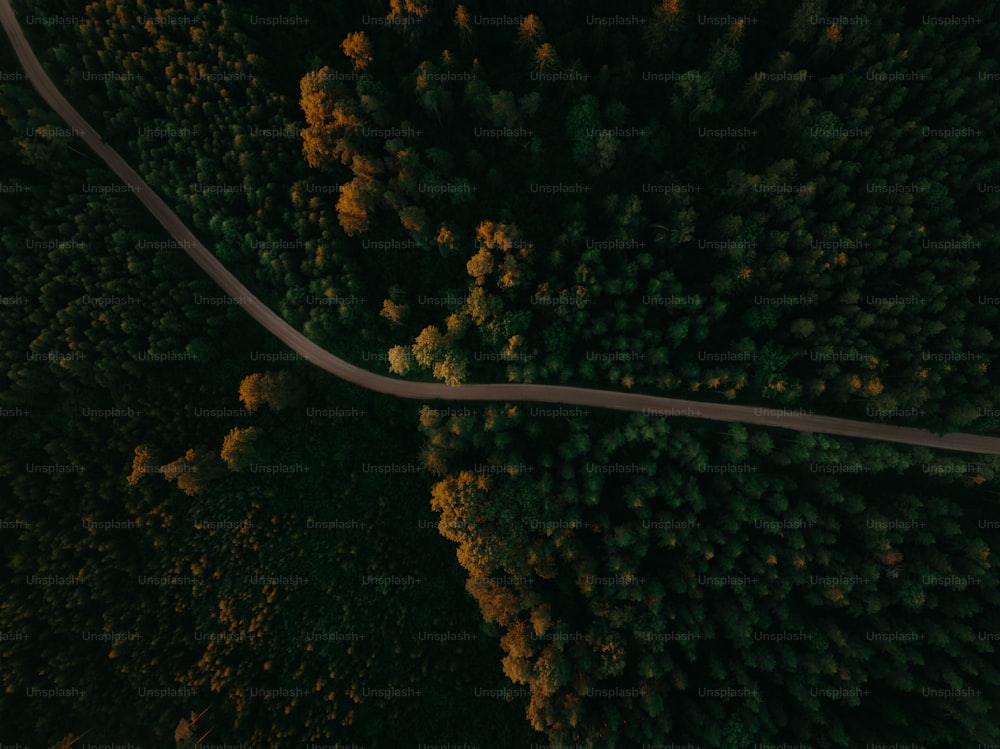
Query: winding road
point(553, 394)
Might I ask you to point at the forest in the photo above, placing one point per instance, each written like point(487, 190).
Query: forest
point(791, 207)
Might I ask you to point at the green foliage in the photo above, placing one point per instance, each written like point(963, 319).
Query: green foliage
point(582, 118)
point(144, 353)
point(764, 273)
point(716, 603)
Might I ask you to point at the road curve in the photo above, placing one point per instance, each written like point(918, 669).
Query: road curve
point(571, 396)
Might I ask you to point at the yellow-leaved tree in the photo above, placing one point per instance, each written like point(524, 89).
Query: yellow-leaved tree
point(274, 389)
point(331, 114)
point(358, 48)
point(241, 447)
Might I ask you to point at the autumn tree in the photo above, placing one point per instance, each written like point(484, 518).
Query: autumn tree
point(354, 205)
point(531, 32)
point(463, 22)
point(274, 389)
point(546, 57)
point(142, 465)
point(242, 447)
point(429, 347)
point(191, 472)
point(393, 311)
point(358, 48)
point(452, 370)
point(480, 265)
point(400, 359)
point(404, 8)
point(332, 114)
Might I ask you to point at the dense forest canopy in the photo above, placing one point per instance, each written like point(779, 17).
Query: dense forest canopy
point(788, 205)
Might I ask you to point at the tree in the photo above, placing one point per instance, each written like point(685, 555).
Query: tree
point(451, 370)
point(665, 25)
point(546, 57)
point(243, 447)
point(191, 472)
point(142, 465)
point(274, 389)
point(403, 8)
point(463, 21)
point(400, 360)
point(358, 48)
point(802, 328)
point(480, 266)
point(429, 347)
point(414, 220)
point(503, 109)
point(331, 114)
point(531, 31)
point(582, 119)
point(354, 204)
point(394, 311)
